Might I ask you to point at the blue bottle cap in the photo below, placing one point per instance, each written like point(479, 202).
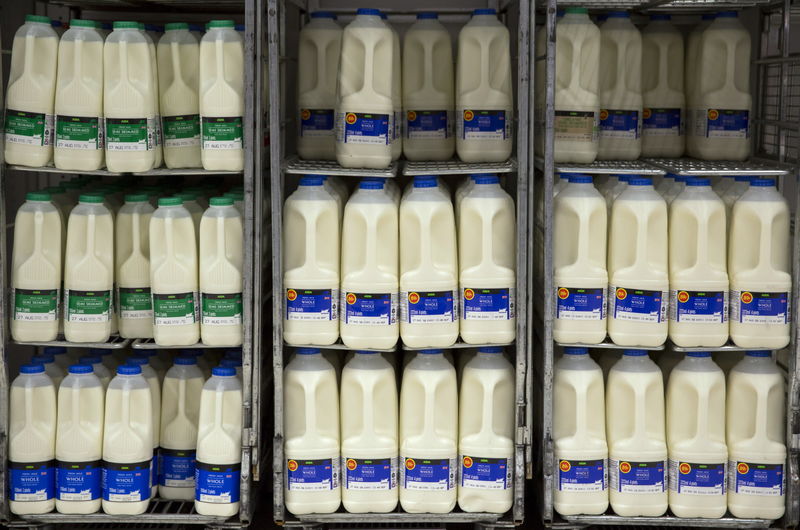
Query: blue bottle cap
point(323, 14)
point(698, 181)
point(368, 11)
point(32, 368)
point(430, 352)
point(185, 360)
point(640, 181)
point(129, 369)
point(576, 351)
point(428, 16)
point(635, 353)
point(698, 354)
point(762, 182)
point(223, 371)
point(307, 351)
point(484, 12)
point(490, 349)
point(366, 352)
point(759, 353)
point(311, 181)
point(81, 369)
point(425, 181)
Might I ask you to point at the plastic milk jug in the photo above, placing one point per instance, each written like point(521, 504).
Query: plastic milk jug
point(637, 266)
point(484, 99)
point(31, 91)
point(759, 265)
point(667, 360)
point(158, 140)
point(32, 441)
point(677, 187)
point(99, 369)
point(133, 297)
point(691, 78)
point(428, 434)
point(60, 355)
point(579, 262)
point(397, 91)
point(153, 382)
point(36, 270)
point(637, 448)
point(189, 201)
point(740, 185)
point(53, 371)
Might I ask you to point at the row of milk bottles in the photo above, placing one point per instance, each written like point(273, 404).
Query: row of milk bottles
point(346, 445)
point(173, 274)
point(84, 102)
point(85, 447)
point(709, 269)
point(621, 93)
point(713, 447)
point(362, 102)
point(377, 266)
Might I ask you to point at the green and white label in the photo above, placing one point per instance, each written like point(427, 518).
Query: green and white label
point(222, 133)
point(181, 131)
point(222, 309)
point(87, 306)
point(29, 128)
point(158, 137)
point(35, 305)
point(128, 134)
point(78, 132)
point(179, 309)
point(135, 303)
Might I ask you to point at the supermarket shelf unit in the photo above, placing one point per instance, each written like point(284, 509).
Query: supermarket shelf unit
point(776, 109)
point(285, 18)
point(160, 511)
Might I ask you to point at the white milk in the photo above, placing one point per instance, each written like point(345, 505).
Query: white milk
point(129, 95)
point(637, 267)
point(32, 441)
point(637, 448)
point(579, 263)
point(158, 140)
point(89, 272)
point(178, 58)
point(698, 277)
point(151, 377)
point(79, 442)
point(173, 275)
point(31, 90)
point(369, 434)
point(99, 369)
point(222, 97)
point(616, 188)
point(189, 201)
point(219, 445)
point(53, 371)
point(318, 67)
point(691, 77)
point(741, 183)
point(620, 88)
point(668, 359)
point(487, 263)
point(428, 434)
point(663, 127)
point(370, 283)
point(428, 91)
point(180, 413)
point(132, 261)
point(364, 108)
point(755, 432)
point(579, 433)
point(36, 270)
point(678, 185)
point(428, 268)
point(759, 265)
point(486, 433)
point(79, 123)
point(397, 91)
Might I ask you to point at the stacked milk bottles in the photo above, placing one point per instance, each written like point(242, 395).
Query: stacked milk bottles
point(318, 63)
point(579, 261)
point(620, 89)
point(759, 264)
point(637, 266)
point(755, 433)
point(311, 426)
point(158, 141)
point(132, 262)
point(397, 91)
point(151, 377)
point(637, 448)
point(691, 79)
point(484, 100)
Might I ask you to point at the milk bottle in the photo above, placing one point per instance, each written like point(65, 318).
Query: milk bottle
point(663, 132)
point(79, 442)
point(236, 364)
point(180, 411)
point(31, 89)
point(221, 261)
point(759, 266)
point(155, 393)
point(318, 68)
point(129, 95)
point(698, 278)
point(484, 100)
point(79, 124)
point(397, 92)
point(428, 434)
point(579, 262)
point(369, 295)
point(53, 371)
point(755, 434)
point(158, 142)
point(369, 434)
point(636, 442)
point(100, 370)
point(364, 106)
point(428, 267)
point(740, 185)
point(238, 200)
point(579, 432)
point(89, 271)
point(667, 181)
point(677, 187)
point(487, 263)
point(60, 356)
point(311, 265)
point(486, 433)
point(667, 360)
point(222, 97)
point(722, 117)
point(173, 275)
point(178, 58)
point(127, 443)
point(32, 437)
point(614, 190)
point(36, 270)
point(428, 91)
point(691, 78)
point(219, 445)
point(132, 260)
point(637, 266)
point(620, 88)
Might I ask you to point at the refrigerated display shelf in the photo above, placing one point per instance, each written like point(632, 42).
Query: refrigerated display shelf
point(398, 518)
point(159, 172)
point(339, 346)
point(729, 346)
point(661, 5)
point(296, 166)
point(457, 167)
point(198, 6)
point(702, 168)
point(667, 521)
point(460, 345)
point(605, 167)
point(114, 343)
point(149, 344)
point(608, 345)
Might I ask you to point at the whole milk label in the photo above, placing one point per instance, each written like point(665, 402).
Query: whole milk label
point(312, 304)
point(177, 468)
point(316, 123)
point(638, 305)
point(428, 307)
point(428, 124)
point(722, 123)
point(628, 476)
point(662, 122)
point(369, 309)
point(135, 303)
point(81, 133)
point(35, 305)
point(181, 131)
point(178, 309)
point(364, 128)
point(487, 304)
point(423, 474)
point(129, 134)
point(574, 303)
point(313, 475)
point(583, 475)
point(691, 478)
point(222, 133)
point(217, 483)
point(221, 309)
point(31, 481)
point(79, 481)
point(750, 478)
point(29, 128)
point(753, 307)
point(368, 474)
point(576, 126)
point(87, 306)
point(698, 307)
point(483, 125)
point(126, 482)
point(485, 473)
point(619, 124)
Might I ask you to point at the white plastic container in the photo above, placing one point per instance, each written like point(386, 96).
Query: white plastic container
point(132, 261)
point(691, 78)
point(667, 360)
point(678, 185)
point(151, 35)
point(100, 370)
point(153, 382)
point(484, 99)
point(741, 183)
point(53, 371)
point(397, 91)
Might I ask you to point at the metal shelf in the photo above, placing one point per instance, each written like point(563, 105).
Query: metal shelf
point(662, 5)
point(692, 167)
point(295, 166)
point(159, 172)
point(202, 6)
point(398, 518)
point(729, 346)
point(149, 344)
point(668, 520)
point(457, 167)
point(339, 345)
point(114, 343)
point(460, 346)
point(608, 345)
point(606, 167)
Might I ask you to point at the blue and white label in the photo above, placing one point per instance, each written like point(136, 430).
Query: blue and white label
point(177, 468)
point(698, 307)
point(126, 482)
point(367, 474)
point(583, 475)
point(79, 481)
point(32, 481)
point(369, 309)
point(313, 475)
point(316, 123)
point(691, 478)
point(485, 473)
point(428, 307)
point(364, 128)
point(428, 125)
point(487, 304)
point(628, 476)
point(217, 483)
point(312, 304)
point(748, 478)
point(483, 125)
point(422, 474)
point(753, 307)
point(573, 303)
point(662, 122)
point(725, 123)
point(619, 124)
point(638, 305)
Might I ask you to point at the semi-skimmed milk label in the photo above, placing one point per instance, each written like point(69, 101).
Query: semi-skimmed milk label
point(126, 482)
point(129, 134)
point(135, 303)
point(423, 474)
point(428, 125)
point(692, 478)
point(749, 478)
point(482, 473)
point(369, 309)
point(483, 125)
point(429, 307)
point(177, 468)
point(87, 306)
point(722, 123)
point(221, 309)
point(662, 122)
point(574, 303)
point(221, 133)
point(79, 481)
point(217, 483)
point(628, 476)
point(754, 307)
point(364, 128)
point(576, 126)
point(487, 304)
point(35, 305)
point(370, 474)
point(638, 305)
point(31, 481)
point(312, 304)
point(316, 123)
point(80, 133)
point(620, 124)
point(29, 128)
point(313, 475)
point(583, 476)
point(176, 309)
point(181, 131)
point(698, 307)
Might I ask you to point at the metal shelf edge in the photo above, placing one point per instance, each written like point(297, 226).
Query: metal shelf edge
point(401, 517)
point(117, 344)
point(724, 522)
point(145, 344)
point(607, 344)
